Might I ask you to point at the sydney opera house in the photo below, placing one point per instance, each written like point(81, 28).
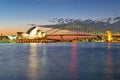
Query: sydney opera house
point(32, 33)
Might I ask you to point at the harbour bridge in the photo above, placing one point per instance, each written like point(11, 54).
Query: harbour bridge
point(68, 33)
point(73, 32)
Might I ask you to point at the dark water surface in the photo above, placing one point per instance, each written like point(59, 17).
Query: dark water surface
point(60, 61)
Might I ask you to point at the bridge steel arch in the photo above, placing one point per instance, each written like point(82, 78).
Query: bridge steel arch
point(77, 28)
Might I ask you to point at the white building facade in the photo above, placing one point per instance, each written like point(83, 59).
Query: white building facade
point(32, 33)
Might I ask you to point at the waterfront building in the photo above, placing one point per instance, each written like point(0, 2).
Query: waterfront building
point(32, 33)
point(12, 37)
point(109, 35)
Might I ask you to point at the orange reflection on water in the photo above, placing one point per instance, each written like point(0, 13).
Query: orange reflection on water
point(109, 64)
point(44, 53)
point(33, 62)
point(73, 62)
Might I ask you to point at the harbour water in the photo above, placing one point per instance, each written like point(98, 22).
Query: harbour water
point(60, 61)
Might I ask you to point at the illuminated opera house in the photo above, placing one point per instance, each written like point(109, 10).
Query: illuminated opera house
point(32, 33)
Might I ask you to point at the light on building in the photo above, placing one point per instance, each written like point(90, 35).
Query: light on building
point(109, 35)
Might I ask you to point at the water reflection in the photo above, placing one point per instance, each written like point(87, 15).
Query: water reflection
point(109, 63)
point(73, 62)
point(44, 53)
point(33, 62)
point(44, 62)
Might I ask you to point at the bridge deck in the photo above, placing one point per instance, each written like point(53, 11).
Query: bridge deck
point(70, 35)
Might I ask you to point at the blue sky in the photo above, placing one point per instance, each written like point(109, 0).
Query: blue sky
point(21, 12)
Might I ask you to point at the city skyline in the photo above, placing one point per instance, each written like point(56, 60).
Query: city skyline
point(16, 14)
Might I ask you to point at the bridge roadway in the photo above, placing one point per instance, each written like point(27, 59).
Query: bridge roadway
point(69, 36)
point(80, 36)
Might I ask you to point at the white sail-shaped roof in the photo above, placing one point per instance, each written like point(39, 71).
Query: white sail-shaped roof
point(32, 31)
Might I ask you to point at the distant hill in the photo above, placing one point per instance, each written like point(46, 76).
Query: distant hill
point(103, 24)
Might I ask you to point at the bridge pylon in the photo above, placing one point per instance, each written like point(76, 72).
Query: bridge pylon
point(109, 36)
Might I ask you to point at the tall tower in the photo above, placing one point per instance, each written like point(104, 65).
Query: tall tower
point(109, 35)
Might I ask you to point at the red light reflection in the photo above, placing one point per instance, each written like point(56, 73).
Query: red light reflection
point(73, 62)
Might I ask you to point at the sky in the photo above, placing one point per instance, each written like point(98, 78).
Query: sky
point(15, 15)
